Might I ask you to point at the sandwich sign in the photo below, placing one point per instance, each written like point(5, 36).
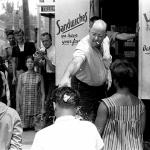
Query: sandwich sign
point(144, 49)
point(71, 24)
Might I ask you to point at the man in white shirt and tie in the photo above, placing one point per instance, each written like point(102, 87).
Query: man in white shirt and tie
point(49, 73)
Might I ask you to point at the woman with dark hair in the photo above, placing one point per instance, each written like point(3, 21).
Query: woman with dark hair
point(121, 117)
point(67, 133)
point(30, 95)
point(10, 124)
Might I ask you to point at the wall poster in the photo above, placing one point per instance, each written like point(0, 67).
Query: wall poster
point(71, 24)
point(144, 49)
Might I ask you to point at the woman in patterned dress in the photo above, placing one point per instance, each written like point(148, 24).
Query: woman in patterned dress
point(121, 117)
point(30, 95)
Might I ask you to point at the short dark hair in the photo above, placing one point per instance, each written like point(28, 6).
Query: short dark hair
point(18, 31)
point(9, 32)
point(46, 33)
point(94, 18)
point(66, 97)
point(29, 57)
point(124, 73)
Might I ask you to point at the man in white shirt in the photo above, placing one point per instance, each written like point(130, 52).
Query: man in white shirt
point(87, 71)
point(49, 73)
point(67, 133)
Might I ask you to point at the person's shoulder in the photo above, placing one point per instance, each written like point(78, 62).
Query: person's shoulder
point(38, 75)
point(12, 112)
point(47, 130)
point(22, 75)
point(87, 124)
point(6, 45)
point(84, 39)
point(83, 43)
point(52, 48)
point(109, 100)
point(15, 47)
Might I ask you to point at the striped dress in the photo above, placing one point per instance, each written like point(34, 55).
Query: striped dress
point(30, 98)
point(123, 129)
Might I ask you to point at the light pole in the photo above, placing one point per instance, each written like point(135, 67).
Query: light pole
point(26, 20)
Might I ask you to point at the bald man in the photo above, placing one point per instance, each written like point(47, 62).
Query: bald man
point(87, 72)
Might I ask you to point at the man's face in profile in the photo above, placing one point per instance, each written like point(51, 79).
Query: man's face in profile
point(46, 41)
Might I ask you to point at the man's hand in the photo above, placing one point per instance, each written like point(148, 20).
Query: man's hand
point(109, 80)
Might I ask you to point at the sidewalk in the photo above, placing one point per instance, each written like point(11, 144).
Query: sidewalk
point(28, 137)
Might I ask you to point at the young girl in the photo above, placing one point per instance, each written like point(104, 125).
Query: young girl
point(30, 95)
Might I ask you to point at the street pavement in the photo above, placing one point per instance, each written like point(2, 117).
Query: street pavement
point(27, 141)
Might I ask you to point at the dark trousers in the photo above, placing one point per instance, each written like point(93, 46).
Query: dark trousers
point(49, 83)
point(12, 89)
point(90, 98)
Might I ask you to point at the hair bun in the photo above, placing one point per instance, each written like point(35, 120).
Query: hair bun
point(66, 98)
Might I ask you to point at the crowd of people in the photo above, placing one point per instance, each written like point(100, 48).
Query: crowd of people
point(29, 78)
point(78, 114)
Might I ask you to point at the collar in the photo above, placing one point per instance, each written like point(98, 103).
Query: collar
point(65, 118)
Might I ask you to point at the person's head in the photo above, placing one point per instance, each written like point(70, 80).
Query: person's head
point(123, 74)
point(92, 20)
point(65, 100)
point(30, 62)
point(97, 33)
point(10, 37)
point(46, 39)
point(19, 36)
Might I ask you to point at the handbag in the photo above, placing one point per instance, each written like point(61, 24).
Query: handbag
point(39, 122)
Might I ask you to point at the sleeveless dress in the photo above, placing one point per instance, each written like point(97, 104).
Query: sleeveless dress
point(123, 129)
point(30, 98)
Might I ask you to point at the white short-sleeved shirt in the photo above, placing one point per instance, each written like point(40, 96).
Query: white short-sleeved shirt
point(68, 133)
point(51, 57)
point(93, 71)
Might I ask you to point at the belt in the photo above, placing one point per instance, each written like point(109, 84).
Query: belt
point(86, 85)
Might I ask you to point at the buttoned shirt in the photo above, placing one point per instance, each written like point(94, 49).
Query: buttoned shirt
point(51, 56)
point(68, 133)
point(93, 71)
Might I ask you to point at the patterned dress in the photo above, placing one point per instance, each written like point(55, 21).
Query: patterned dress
point(30, 98)
point(123, 129)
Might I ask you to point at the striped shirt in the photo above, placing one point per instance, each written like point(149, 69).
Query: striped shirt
point(123, 129)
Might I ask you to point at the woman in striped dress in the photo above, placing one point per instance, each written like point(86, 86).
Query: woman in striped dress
point(121, 117)
point(30, 95)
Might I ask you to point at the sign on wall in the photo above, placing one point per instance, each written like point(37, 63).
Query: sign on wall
point(71, 24)
point(46, 6)
point(144, 49)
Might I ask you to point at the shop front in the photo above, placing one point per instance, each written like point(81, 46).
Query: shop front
point(121, 16)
